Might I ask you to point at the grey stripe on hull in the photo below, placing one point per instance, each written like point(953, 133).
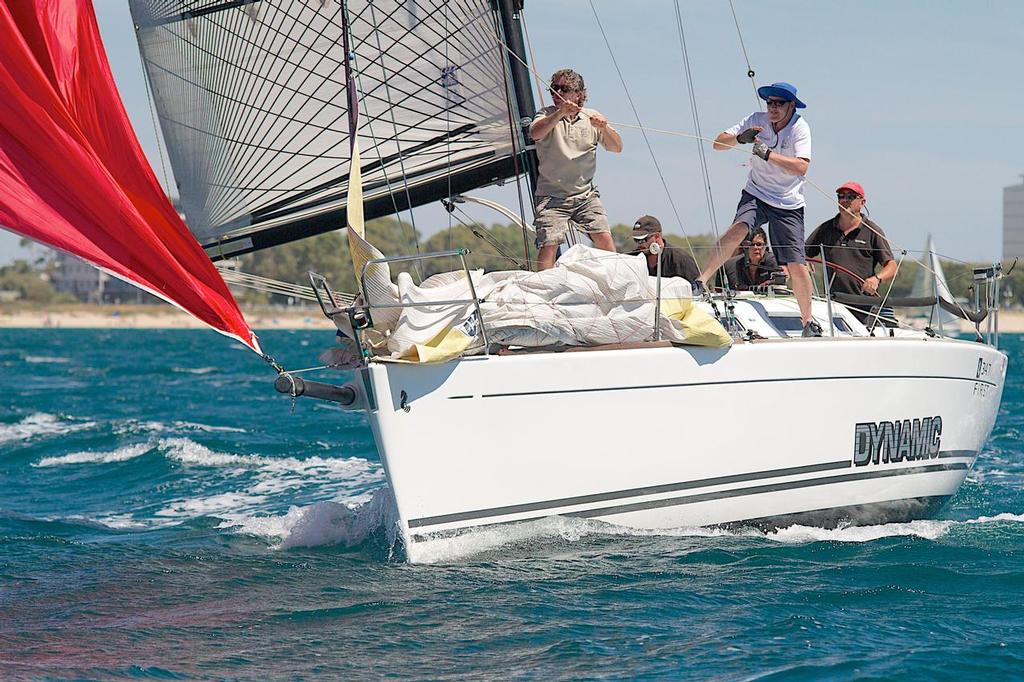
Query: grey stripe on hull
point(770, 488)
point(605, 389)
point(687, 499)
point(631, 492)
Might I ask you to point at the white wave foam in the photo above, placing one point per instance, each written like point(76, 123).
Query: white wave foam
point(228, 505)
point(193, 370)
point(929, 530)
point(323, 523)
point(46, 359)
point(1005, 516)
point(133, 426)
point(121, 522)
point(207, 428)
point(39, 424)
point(120, 455)
point(256, 482)
point(189, 452)
point(477, 541)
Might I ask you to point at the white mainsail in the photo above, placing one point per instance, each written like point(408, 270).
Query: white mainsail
point(252, 103)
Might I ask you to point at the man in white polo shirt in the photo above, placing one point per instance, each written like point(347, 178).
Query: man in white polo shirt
point(566, 137)
point(774, 191)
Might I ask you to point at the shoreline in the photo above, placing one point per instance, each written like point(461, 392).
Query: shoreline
point(150, 317)
point(86, 316)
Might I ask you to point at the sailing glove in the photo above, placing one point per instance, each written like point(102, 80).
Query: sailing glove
point(747, 136)
point(761, 149)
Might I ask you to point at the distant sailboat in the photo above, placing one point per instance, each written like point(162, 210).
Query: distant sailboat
point(931, 281)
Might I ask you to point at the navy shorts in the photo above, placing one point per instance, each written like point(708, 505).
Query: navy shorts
point(785, 227)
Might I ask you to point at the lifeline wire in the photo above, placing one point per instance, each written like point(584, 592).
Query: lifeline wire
point(654, 158)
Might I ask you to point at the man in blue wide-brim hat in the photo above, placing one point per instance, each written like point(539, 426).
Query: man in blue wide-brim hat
point(774, 192)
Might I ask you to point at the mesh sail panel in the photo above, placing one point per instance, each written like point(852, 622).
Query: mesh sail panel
point(251, 99)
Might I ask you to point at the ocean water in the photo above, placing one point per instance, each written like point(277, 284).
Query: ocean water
point(164, 515)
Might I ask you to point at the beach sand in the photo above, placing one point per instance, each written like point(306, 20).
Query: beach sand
point(85, 316)
point(150, 317)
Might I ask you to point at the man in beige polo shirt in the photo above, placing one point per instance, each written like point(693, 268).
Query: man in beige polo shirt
point(566, 136)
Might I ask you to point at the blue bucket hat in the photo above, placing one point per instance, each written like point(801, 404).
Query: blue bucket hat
point(783, 90)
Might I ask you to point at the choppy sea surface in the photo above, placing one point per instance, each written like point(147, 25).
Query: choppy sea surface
point(163, 515)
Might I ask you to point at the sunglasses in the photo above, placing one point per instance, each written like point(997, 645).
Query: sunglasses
point(757, 245)
point(641, 240)
point(777, 102)
point(561, 88)
point(847, 196)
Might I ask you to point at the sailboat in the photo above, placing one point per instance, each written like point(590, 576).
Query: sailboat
point(494, 398)
point(931, 281)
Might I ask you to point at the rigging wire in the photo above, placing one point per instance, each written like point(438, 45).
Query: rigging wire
point(397, 139)
point(448, 117)
point(539, 82)
point(515, 126)
point(156, 132)
point(750, 69)
point(636, 114)
point(272, 286)
point(701, 152)
point(483, 235)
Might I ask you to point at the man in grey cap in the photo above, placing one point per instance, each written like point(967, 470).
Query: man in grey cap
point(675, 262)
point(774, 190)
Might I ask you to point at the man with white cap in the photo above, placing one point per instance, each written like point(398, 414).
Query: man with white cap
point(856, 244)
point(774, 190)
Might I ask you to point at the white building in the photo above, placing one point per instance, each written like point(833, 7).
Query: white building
point(88, 284)
point(1013, 221)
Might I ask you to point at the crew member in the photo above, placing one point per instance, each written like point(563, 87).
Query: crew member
point(774, 190)
point(566, 137)
point(675, 261)
point(856, 244)
point(754, 266)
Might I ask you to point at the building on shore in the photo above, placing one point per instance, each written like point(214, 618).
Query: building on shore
point(1013, 221)
point(76, 277)
point(84, 281)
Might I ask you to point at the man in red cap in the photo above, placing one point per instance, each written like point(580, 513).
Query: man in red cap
point(774, 190)
point(856, 244)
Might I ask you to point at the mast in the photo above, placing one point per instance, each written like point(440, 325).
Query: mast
point(526, 106)
point(509, 12)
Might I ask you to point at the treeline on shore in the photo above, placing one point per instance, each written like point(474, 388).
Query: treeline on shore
point(494, 247)
point(502, 247)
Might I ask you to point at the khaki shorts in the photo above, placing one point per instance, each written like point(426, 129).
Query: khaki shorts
point(554, 214)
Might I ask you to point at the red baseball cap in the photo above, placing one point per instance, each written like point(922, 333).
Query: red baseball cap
point(853, 187)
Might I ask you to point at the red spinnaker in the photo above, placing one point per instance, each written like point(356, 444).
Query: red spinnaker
point(72, 173)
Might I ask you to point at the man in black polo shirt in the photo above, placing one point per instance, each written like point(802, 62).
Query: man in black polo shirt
point(855, 243)
point(675, 262)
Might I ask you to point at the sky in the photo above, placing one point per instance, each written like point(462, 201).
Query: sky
point(919, 101)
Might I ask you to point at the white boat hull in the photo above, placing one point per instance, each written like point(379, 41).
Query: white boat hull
point(664, 436)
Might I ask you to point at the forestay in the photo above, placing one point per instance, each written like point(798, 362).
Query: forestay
point(251, 100)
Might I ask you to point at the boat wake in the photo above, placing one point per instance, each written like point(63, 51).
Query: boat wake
point(326, 523)
point(571, 530)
